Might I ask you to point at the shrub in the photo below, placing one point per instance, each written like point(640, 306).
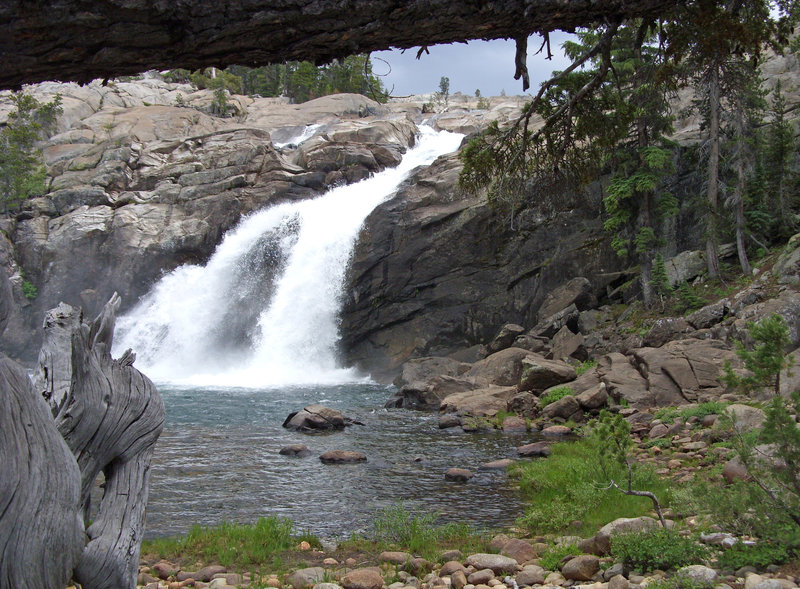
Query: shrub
point(585, 366)
point(551, 557)
point(555, 394)
point(669, 414)
point(657, 549)
point(759, 555)
point(29, 290)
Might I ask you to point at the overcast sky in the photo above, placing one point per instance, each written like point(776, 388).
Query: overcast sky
point(487, 66)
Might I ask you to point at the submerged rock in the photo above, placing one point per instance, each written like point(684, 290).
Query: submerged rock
point(342, 457)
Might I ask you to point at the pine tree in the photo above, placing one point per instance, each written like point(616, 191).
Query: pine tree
point(22, 172)
point(659, 278)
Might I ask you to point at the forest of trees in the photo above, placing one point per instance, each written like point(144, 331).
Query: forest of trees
point(300, 81)
point(611, 112)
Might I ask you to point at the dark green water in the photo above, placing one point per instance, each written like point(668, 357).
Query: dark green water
point(218, 460)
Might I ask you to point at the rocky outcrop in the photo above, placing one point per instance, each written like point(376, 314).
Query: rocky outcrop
point(449, 270)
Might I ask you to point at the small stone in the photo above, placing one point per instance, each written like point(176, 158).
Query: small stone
point(657, 432)
point(555, 578)
point(618, 582)
point(460, 475)
point(581, 568)
point(514, 424)
point(449, 420)
point(530, 575)
point(145, 578)
point(164, 570)
point(699, 573)
point(230, 578)
point(296, 450)
point(451, 555)
point(458, 579)
point(206, 574)
point(501, 464)
point(519, 550)
point(362, 579)
point(304, 546)
point(615, 569)
point(330, 562)
point(498, 563)
point(535, 449)
point(450, 567)
point(481, 577)
point(304, 578)
point(556, 431)
point(273, 582)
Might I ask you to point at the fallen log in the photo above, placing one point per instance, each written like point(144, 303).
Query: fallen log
point(110, 416)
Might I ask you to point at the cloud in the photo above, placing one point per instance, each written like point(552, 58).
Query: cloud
point(487, 66)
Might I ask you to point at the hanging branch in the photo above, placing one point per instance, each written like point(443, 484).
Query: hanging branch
point(520, 62)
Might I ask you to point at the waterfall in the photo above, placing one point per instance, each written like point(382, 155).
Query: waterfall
point(264, 310)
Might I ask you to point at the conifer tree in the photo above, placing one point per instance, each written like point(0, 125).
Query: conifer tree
point(22, 172)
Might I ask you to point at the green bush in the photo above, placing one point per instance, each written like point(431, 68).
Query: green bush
point(759, 555)
point(29, 289)
point(555, 394)
point(585, 366)
point(657, 549)
point(552, 556)
point(669, 414)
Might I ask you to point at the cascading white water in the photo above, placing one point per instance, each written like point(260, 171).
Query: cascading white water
point(263, 310)
point(306, 134)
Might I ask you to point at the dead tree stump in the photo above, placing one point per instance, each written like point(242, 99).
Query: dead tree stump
point(110, 416)
point(41, 531)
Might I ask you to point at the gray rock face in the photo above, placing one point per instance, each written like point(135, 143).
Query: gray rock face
point(448, 272)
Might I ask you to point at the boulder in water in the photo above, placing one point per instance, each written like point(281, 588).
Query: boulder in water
point(342, 457)
point(317, 418)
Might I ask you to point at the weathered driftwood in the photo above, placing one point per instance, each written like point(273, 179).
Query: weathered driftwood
point(80, 40)
point(110, 416)
point(41, 531)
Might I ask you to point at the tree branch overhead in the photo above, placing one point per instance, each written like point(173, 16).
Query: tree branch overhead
point(79, 40)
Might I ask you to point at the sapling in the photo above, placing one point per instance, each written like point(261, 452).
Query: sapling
point(765, 360)
point(772, 458)
point(613, 436)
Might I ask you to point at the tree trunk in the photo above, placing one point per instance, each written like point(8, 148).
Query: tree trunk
point(41, 531)
point(712, 255)
point(79, 40)
point(110, 415)
point(739, 193)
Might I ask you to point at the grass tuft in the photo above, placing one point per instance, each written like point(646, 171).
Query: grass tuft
point(569, 486)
